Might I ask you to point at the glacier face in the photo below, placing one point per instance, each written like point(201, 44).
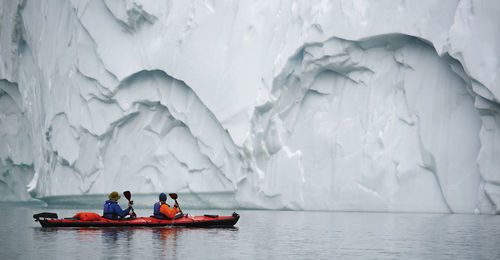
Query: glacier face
point(322, 105)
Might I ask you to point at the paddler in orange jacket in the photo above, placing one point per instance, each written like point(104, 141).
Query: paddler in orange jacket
point(163, 210)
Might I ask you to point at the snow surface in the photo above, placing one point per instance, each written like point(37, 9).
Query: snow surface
point(316, 105)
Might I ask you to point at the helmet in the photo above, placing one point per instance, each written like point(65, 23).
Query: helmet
point(163, 197)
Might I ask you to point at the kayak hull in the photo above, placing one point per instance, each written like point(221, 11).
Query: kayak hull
point(206, 221)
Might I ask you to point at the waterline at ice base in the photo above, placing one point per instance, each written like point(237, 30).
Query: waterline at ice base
point(299, 105)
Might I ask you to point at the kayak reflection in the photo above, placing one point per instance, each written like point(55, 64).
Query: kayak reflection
point(165, 240)
point(165, 234)
point(117, 241)
point(113, 235)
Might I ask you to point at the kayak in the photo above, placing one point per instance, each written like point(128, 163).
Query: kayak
point(47, 219)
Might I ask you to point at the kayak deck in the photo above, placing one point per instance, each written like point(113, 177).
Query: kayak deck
point(51, 220)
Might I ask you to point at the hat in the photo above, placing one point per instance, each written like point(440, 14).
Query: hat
point(114, 196)
point(163, 197)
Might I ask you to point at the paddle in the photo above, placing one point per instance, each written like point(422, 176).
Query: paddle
point(128, 196)
point(174, 197)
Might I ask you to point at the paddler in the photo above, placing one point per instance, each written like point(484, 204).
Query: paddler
point(163, 210)
point(111, 208)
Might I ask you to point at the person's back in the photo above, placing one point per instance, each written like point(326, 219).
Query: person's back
point(111, 208)
point(162, 210)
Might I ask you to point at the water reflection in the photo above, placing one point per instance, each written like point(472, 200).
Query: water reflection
point(87, 234)
point(265, 234)
point(127, 241)
point(117, 241)
point(165, 240)
point(165, 234)
point(111, 236)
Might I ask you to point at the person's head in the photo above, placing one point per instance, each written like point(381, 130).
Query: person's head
point(114, 196)
point(163, 197)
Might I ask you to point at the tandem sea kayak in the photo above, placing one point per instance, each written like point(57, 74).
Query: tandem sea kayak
point(47, 219)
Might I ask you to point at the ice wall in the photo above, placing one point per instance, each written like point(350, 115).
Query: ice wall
point(16, 166)
point(330, 105)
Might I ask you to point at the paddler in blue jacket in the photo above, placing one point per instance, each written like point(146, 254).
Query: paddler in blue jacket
point(111, 208)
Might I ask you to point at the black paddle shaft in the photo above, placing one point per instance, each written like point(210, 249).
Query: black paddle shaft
point(128, 196)
point(174, 197)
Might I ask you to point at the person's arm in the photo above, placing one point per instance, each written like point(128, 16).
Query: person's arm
point(167, 211)
point(118, 210)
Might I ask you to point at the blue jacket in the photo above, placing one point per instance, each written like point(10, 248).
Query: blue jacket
point(113, 210)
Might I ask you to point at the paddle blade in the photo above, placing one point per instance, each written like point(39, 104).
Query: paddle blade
point(127, 195)
point(173, 195)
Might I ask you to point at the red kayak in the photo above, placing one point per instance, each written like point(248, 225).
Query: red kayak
point(51, 220)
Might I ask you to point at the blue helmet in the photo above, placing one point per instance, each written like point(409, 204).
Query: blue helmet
point(163, 197)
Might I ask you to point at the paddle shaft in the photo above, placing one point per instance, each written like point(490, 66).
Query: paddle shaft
point(174, 196)
point(178, 206)
point(128, 196)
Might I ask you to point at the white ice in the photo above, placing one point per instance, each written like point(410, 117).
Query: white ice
point(316, 105)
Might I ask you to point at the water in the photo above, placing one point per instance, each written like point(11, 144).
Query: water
point(260, 235)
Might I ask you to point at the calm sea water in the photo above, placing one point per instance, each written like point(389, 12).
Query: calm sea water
point(260, 235)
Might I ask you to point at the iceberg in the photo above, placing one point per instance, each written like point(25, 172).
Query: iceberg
point(321, 105)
